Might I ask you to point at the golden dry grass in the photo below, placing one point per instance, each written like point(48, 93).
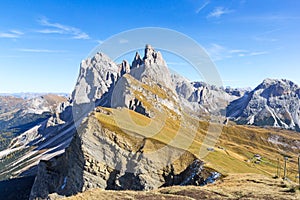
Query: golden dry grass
point(238, 143)
point(234, 186)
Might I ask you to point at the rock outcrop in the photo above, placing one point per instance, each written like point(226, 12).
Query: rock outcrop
point(112, 159)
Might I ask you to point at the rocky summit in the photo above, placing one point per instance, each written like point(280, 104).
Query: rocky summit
point(140, 127)
point(107, 155)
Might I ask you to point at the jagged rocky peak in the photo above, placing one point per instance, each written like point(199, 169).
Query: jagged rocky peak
point(272, 103)
point(152, 56)
point(124, 68)
point(99, 73)
point(96, 76)
point(152, 69)
point(199, 98)
point(137, 61)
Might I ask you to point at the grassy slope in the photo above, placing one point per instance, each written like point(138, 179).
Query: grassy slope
point(235, 186)
point(237, 144)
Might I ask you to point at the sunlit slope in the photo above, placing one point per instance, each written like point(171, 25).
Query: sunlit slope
point(233, 153)
point(235, 186)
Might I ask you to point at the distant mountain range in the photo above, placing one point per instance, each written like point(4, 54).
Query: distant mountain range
point(138, 127)
point(17, 115)
point(31, 95)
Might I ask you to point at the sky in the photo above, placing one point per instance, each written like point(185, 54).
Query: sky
point(43, 42)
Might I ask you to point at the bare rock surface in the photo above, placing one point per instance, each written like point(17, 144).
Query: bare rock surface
point(272, 103)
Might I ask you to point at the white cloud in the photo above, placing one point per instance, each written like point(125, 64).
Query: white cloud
point(11, 34)
point(49, 31)
point(267, 36)
point(81, 36)
point(219, 52)
point(123, 41)
point(238, 51)
point(267, 18)
point(202, 6)
point(176, 63)
point(218, 12)
point(41, 50)
point(16, 32)
point(61, 29)
point(258, 53)
point(264, 39)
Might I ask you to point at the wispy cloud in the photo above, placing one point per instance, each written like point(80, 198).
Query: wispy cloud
point(49, 31)
point(41, 50)
point(218, 52)
point(11, 34)
point(264, 39)
point(258, 53)
point(123, 41)
point(280, 18)
point(218, 12)
point(238, 51)
point(57, 28)
point(267, 36)
point(202, 6)
point(176, 63)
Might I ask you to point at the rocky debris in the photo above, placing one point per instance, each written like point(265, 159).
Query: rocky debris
point(272, 103)
point(103, 158)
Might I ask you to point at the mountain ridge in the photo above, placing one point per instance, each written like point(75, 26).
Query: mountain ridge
point(272, 103)
point(166, 110)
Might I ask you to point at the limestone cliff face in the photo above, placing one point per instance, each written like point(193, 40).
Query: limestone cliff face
point(96, 76)
point(105, 157)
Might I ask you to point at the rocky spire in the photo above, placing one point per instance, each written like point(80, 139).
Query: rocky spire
point(137, 61)
point(152, 68)
point(124, 68)
point(151, 56)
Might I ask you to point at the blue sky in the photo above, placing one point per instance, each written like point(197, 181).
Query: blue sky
point(43, 42)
